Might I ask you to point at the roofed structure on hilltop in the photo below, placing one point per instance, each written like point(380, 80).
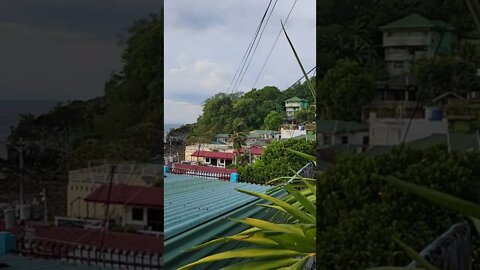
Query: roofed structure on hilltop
point(294, 104)
point(414, 37)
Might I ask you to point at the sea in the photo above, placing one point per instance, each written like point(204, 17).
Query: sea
point(10, 111)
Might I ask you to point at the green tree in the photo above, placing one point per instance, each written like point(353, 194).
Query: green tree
point(345, 89)
point(273, 120)
point(277, 161)
point(305, 115)
point(359, 211)
point(445, 74)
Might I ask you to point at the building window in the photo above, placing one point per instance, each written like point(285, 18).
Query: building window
point(327, 140)
point(344, 139)
point(365, 140)
point(137, 214)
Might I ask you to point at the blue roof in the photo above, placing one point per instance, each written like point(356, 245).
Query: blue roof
point(191, 201)
point(22, 262)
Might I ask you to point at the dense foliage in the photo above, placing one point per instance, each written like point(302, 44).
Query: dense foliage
point(445, 74)
point(345, 89)
point(350, 29)
point(124, 124)
point(277, 161)
point(257, 109)
point(361, 213)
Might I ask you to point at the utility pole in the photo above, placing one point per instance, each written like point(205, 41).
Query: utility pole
point(44, 199)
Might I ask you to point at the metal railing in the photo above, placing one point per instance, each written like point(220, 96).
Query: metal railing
point(90, 255)
point(452, 250)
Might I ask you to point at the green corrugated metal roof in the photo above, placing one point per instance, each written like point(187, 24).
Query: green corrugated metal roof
point(215, 142)
point(310, 137)
point(223, 135)
point(263, 131)
point(219, 225)
point(334, 126)
point(17, 262)
point(190, 201)
point(296, 99)
point(416, 21)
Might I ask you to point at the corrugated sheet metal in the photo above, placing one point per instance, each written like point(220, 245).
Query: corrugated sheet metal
point(214, 199)
point(191, 201)
point(20, 262)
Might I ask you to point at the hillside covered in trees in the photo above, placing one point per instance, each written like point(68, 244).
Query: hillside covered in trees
point(124, 124)
point(350, 32)
point(236, 112)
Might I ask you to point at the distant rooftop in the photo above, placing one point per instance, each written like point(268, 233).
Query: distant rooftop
point(264, 131)
point(295, 99)
point(335, 126)
point(414, 21)
point(458, 142)
point(212, 154)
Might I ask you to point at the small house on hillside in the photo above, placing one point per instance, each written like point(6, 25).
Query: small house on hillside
point(138, 207)
point(218, 159)
point(333, 132)
point(295, 104)
point(223, 138)
point(413, 37)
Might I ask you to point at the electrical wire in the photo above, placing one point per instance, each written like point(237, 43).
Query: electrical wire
point(273, 46)
point(249, 49)
point(258, 42)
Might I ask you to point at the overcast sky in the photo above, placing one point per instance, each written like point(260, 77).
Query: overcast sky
point(205, 42)
point(62, 50)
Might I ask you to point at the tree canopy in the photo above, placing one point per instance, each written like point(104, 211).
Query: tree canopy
point(221, 111)
point(345, 89)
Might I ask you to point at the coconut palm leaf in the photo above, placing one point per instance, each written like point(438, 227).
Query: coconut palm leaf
point(465, 207)
point(310, 86)
point(307, 156)
point(246, 253)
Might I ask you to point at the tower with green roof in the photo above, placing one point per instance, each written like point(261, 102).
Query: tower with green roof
point(413, 37)
point(295, 104)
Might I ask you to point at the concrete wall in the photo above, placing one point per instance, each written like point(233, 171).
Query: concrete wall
point(355, 138)
point(291, 133)
point(391, 131)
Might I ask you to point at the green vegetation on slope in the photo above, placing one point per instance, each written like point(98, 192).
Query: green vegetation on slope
point(277, 161)
point(360, 213)
point(124, 124)
point(254, 109)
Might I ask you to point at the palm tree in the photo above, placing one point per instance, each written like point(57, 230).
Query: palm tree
point(239, 139)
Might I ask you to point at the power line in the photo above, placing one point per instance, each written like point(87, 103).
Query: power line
point(249, 48)
point(314, 68)
point(273, 46)
point(419, 103)
point(286, 19)
point(258, 42)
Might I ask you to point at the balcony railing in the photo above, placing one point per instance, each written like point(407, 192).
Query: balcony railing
point(406, 41)
point(452, 250)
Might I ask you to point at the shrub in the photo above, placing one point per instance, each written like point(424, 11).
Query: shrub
point(360, 214)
